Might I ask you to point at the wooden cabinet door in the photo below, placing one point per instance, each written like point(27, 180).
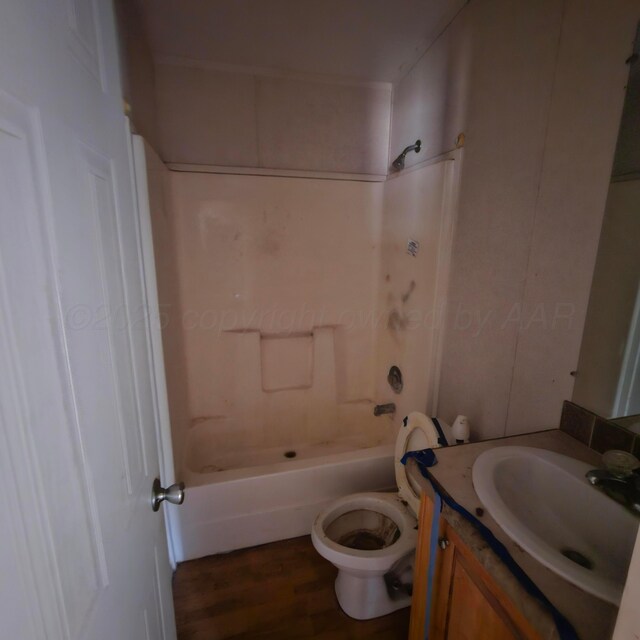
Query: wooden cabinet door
point(466, 603)
point(464, 607)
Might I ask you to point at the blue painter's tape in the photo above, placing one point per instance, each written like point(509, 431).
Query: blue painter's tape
point(433, 550)
point(425, 458)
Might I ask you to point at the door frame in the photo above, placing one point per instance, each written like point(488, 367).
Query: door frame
point(157, 365)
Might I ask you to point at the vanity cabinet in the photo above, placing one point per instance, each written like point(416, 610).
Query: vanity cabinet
point(466, 603)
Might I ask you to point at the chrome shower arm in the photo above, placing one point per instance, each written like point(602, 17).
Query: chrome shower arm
point(398, 163)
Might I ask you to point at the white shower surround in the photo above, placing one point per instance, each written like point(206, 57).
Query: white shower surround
point(261, 497)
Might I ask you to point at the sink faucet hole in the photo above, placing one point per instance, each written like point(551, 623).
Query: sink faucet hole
point(578, 558)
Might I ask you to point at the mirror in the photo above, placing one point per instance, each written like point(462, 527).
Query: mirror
point(608, 374)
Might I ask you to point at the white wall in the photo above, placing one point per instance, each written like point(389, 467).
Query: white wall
point(214, 115)
point(537, 88)
point(586, 106)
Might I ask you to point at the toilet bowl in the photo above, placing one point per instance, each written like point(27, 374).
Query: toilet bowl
point(371, 537)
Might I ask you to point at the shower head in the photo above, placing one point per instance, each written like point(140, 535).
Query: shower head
point(398, 163)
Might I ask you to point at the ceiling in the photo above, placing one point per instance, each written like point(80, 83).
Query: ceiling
point(369, 40)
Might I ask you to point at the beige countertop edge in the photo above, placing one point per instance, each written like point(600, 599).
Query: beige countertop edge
point(592, 618)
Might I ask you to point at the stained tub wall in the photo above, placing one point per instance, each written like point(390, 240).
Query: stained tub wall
point(419, 207)
point(278, 283)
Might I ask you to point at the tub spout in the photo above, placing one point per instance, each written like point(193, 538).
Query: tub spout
point(381, 409)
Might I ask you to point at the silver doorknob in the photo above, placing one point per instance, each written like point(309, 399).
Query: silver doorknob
point(173, 494)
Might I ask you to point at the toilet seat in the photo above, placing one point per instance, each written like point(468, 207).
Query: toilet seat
point(417, 432)
point(388, 504)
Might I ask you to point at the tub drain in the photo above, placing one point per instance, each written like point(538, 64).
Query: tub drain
point(577, 557)
point(290, 454)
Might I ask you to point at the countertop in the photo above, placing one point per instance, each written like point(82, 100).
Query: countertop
point(592, 618)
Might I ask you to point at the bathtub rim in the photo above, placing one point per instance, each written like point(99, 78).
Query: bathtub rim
point(196, 479)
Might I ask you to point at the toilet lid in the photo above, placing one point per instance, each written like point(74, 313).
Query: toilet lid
point(417, 432)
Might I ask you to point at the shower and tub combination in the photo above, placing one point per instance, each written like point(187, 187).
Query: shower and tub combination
point(301, 320)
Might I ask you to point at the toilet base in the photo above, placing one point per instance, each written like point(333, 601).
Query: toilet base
point(364, 598)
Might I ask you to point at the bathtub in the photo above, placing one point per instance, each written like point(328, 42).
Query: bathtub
point(236, 500)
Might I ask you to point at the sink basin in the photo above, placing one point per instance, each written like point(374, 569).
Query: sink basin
point(543, 501)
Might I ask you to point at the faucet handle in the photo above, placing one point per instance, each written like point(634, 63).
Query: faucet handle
point(620, 464)
point(595, 476)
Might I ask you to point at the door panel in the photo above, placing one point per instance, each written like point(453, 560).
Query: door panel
point(24, 352)
point(101, 320)
point(83, 36)
point(473, 613)
point(85, 555)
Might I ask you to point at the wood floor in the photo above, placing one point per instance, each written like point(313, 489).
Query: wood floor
point(277, 591)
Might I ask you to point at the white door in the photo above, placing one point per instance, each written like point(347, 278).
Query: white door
point(82, 555)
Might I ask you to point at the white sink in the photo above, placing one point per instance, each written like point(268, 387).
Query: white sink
point(545, 504)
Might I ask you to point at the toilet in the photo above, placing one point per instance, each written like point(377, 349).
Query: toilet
point(371, 537)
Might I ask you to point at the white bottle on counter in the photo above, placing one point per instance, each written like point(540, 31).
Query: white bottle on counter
point(460, 429)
